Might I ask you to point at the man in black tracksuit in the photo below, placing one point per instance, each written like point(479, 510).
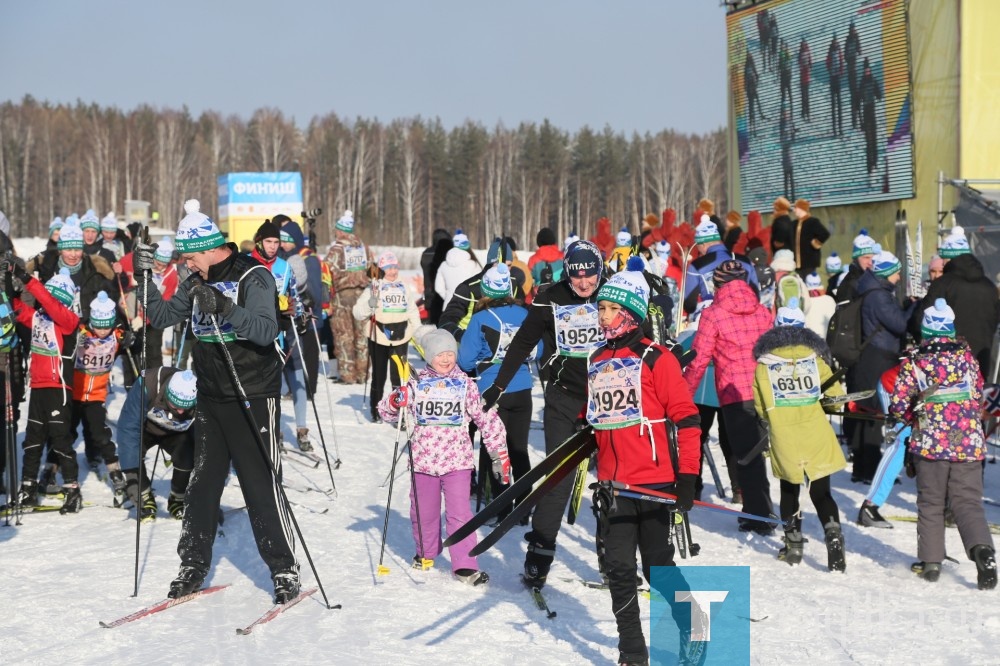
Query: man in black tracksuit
point(564, 315)
point(231, 293)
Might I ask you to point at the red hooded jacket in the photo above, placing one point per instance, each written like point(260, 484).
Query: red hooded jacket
point(640, 454)
point(47, 371)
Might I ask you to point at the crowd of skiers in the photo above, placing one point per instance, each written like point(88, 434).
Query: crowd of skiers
point(757, 316)
point(641, 339)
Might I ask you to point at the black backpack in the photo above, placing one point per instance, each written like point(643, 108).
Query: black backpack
point(845, 335)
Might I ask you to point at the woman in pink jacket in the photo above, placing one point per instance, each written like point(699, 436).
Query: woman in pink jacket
point(727, 331)
point(440, 401)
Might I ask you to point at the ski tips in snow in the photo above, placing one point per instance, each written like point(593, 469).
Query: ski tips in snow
point(162, 606)
point(539, 598)
point(276, 610)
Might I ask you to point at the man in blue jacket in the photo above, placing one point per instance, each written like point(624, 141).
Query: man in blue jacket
point(698, 281)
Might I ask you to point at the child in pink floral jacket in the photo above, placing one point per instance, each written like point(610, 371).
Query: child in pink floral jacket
point(440, 401)
point(939, 389)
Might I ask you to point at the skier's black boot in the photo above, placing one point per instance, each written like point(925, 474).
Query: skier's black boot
point(929, 571)
point(986, 566)
point(175, 505)
point(188, 580)
point(286, 585)
point(794, 543)
point(869, 516)
point(834, 547)
point(537, 560)
point(74, 500)
point(28, 495)
point(47, 484)
point(118, 487)
point(147, 506)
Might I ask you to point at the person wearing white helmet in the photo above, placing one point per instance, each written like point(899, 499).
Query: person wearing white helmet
point(972, 295)
point(169, 398)
point(99, 342)
point(863, 251)
point(113, 239)
point(53, 325)
point(884, 325)
point(91, 273)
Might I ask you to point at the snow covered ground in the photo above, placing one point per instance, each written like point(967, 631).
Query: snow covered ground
point(63, 574)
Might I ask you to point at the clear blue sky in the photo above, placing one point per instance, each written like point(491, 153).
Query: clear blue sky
point(633, 65)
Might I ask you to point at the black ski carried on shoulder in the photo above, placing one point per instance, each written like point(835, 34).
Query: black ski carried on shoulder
point(557, 459)
point(528, 503)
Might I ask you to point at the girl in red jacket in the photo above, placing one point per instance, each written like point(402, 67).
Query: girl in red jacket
point(50, 406)
point(635, 394)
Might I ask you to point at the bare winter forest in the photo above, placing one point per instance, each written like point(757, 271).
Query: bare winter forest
point(402, 178)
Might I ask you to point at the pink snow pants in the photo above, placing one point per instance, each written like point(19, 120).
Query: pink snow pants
point(455, 486)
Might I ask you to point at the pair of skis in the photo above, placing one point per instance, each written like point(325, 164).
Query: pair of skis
point(551, 470)
point(273, 612)
point(302, 457)
point(914, 257)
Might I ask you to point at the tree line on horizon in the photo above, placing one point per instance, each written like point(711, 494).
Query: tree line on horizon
point(402, 179)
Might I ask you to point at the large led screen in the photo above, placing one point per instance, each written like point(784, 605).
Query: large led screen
point(822, 103)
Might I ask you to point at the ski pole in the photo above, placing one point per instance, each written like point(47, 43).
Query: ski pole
point(625, 490)
point(329, 404)
point(275, 476)
point(10, 444)
point(131, 362)
point(392, 469)
point(373, 288)
point(424, 562)
point(312, 399)
point(179, 348)
point(707, 453)
point(383, 570)
point(140, 377)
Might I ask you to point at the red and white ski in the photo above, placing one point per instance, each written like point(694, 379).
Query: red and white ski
point(162, 606)
point(275, 611)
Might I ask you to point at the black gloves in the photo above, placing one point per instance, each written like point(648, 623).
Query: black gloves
point(490, 397)
point(211, 301)
point(307, 301)
point(128, 337)
point(14, 267)
point(142, 257)
point(684, 489)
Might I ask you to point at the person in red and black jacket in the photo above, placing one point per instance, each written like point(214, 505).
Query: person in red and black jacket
point(50, 406)
point(636, 394)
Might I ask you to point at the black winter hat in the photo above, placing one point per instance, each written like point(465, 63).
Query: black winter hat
point(267, 230)
point(545, 237)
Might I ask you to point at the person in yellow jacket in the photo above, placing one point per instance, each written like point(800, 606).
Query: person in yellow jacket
point(623, 250)
point(792, 365)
